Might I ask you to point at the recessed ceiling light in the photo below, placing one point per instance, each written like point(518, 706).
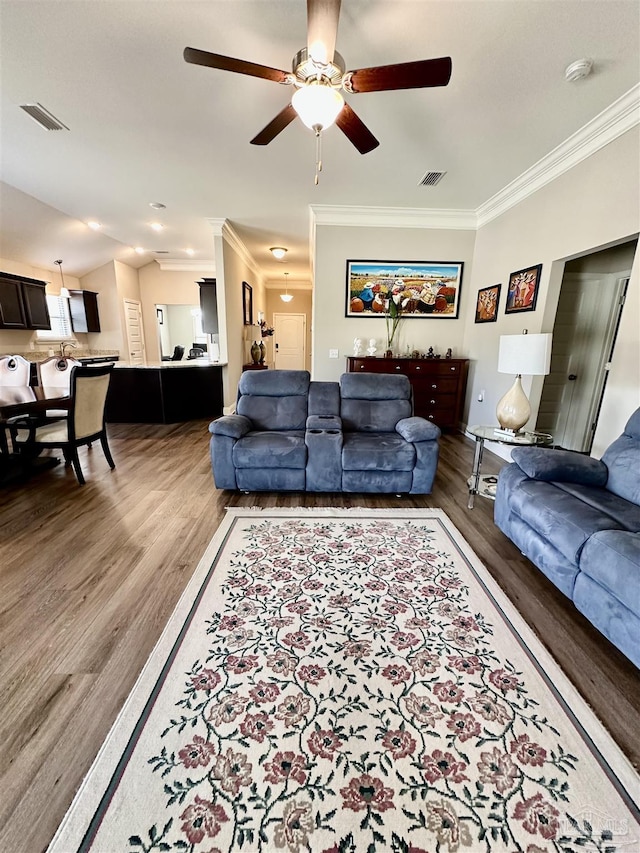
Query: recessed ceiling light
point(278, 252)
point(94, 225)
point(157, 226)
point(157, 205)
point(190, 251)
point(139, 250)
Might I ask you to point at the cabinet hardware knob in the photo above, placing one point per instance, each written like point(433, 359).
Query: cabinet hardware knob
point(433, 402)
point(430, 417)
point(452, 369)
point(418, 368)
point(434, 386)
point(397, 367)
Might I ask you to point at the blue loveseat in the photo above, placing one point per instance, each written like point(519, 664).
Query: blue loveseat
point(578, 519)
point(355, 435)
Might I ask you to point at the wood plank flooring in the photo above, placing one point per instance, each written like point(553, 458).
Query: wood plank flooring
point(89, 575)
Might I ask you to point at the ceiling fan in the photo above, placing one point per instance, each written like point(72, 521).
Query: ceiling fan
point(318, 75)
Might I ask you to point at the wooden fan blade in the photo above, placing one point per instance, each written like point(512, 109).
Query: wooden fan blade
point(284, 117)
point(355, 130)
point(404, 75)
point(322, 29)
point(238, 66)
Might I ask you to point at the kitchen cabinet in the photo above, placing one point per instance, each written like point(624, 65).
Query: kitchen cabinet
point(83, 307)
point(209, 305)
point(23, 303)
point(439, 384)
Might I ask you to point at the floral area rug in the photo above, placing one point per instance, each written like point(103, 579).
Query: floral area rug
point(344, 681)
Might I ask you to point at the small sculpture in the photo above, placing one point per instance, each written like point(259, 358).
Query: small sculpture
point(430, 353)
point(357, 346)
point(371, 349)
point(448, 353)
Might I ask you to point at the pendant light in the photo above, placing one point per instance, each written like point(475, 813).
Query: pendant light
point(286, 296)
point(64, 293)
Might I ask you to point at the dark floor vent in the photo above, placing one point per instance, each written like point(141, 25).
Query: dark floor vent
point(430, 179)
point(43, 117)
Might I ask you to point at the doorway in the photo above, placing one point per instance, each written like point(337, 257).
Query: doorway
point(290, 334)
point(135, 334)
point(589, 309)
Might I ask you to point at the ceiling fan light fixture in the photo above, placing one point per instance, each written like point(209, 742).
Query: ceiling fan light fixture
point(318, 104)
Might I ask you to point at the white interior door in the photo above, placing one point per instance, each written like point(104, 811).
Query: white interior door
point(135, 334)
point(290, 334)
point(583, 334)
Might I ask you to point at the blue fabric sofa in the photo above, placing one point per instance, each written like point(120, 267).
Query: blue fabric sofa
point(578, 519)
point(355, 435)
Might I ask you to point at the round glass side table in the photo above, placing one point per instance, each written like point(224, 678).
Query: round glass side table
point(485, 485)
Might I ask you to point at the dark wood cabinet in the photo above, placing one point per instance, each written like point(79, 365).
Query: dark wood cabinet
point(439, 384)
point(23, 303)
point(83, 307)
point(209, 305)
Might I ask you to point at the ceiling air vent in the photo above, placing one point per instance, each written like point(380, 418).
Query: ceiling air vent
point(430, 179)
point(160, 251)
point(43, 117)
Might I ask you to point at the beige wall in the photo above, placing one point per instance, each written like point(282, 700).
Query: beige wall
point(592, 206)
point(163, 287)
point(103, 281)
point(332, 330)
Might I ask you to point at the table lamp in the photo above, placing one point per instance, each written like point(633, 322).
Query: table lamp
point(529, 354)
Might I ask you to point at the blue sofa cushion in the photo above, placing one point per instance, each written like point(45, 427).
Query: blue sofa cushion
point(370, 402)
point(269, 449)
point(373, 386)
point(622, 458)
point(274, 399)
point(377, 451)
point(622, 513)
point(612, 559)
point(324, 398)
point(560, 518)
point(545, 463)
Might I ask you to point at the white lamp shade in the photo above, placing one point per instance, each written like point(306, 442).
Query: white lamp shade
point(317, 104)
point(286, 297)
point(525, 354)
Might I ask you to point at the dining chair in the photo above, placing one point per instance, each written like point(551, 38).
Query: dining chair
point(84, 424)
point(14, 371)
point(54, 380)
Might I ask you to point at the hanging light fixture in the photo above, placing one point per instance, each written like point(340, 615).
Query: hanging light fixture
point(64, 293)
point(278, 252)
point(286, 296)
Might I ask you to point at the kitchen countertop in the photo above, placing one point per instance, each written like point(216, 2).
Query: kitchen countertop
point(171, 365)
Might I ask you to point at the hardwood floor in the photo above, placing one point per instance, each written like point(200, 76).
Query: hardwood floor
point(89, 575)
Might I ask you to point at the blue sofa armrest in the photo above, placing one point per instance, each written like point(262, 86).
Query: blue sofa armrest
point(417, 429)
point(565, 466)
point(233, 426)
point(323, 422)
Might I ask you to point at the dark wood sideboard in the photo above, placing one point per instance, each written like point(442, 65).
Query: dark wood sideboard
point(439, 384)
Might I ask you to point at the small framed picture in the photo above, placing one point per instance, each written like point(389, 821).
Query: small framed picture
point(247, 303)
point(487, 304)
point(160, 316)
point(523, 290)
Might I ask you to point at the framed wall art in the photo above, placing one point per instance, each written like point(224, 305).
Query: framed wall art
point(487, 304)
point(420, 288)
point(523, 290)
point(247, 304)
point(160, 316)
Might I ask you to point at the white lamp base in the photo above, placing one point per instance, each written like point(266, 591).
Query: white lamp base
point(513, 410)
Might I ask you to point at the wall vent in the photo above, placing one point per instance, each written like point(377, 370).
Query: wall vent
point(160, 251)
point(43, 117)
point(430, 179)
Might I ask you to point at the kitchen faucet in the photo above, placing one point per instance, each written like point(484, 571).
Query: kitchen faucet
point(65, 344)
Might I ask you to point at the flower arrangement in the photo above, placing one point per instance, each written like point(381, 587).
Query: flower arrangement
point(395, 304)
point(267, 331)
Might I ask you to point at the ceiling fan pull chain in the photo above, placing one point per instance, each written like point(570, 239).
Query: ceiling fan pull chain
point(318, 156)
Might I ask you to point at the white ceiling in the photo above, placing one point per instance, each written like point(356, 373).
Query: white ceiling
point(147, 127)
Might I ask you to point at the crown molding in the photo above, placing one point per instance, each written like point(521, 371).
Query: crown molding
point(186, 265)
point(619, 117)
point(393, 217)
point(223, 228)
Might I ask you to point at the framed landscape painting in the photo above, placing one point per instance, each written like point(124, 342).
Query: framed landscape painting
point(523, 290)
point(421, 288)
point(487, 304)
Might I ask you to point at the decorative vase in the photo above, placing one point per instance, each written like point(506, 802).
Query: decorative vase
point(255, 352)
point(263, 351)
